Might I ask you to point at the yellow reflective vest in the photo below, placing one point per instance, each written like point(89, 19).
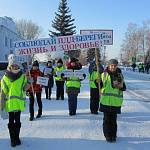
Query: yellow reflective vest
point(92, 77)
point(59, 70)
point(110, 96)
point(14, 93)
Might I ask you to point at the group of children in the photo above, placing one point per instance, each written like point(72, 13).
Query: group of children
point(14, 84)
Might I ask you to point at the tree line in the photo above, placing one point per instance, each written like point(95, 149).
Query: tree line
point(136, 44)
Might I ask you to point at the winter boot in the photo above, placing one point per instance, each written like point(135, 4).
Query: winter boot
point(12, 134)
point(17, 129)
point(108, 139)
point(113, 139)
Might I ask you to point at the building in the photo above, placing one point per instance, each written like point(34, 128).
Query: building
point(8, 34)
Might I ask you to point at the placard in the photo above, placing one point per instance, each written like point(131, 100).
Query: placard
point(47, 71)
point(42, 80)
point(79, 74)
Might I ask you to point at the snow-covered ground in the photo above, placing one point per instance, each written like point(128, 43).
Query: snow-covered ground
point(57, 130)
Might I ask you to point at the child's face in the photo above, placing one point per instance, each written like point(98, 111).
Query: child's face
point(112, 67)
point(49, 64)
point(35, 67)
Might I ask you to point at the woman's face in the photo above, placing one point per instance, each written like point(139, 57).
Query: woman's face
point(73, 64)
point(15, 68)
point(112, 67)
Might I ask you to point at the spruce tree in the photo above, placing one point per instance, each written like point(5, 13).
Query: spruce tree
point(63, 23)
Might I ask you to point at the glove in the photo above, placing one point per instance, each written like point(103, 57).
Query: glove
point(27, 94)
point(62, 75)
point(84, 75)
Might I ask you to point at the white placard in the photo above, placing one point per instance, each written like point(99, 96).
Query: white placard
point(47, 71)
point(79, 74)
point(68, 73)
point(58, 73)
point(76, 73)
point(42, 80)
point(106, 35)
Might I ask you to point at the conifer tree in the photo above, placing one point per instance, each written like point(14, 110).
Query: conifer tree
point(63, 23)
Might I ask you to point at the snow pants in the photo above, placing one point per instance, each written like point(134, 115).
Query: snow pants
point(94, 100)
point(72, 103)
point(31, 105)
point(110, 124)
point(59, 90)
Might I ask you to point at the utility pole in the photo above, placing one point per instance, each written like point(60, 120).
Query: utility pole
point(97, 59)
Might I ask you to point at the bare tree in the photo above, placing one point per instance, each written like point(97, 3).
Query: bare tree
point(27, 29)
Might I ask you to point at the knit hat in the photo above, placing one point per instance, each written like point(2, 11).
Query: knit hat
point(35, 63)
point(73, 59)
point(12, 61)
point(49, 62)
point(60, 61)
point(113, 61)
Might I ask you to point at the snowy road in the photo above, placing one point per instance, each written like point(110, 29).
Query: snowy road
point(57, 130)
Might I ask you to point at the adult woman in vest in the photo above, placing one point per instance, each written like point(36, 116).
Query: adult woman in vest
point(13, 86)
point(112, 87)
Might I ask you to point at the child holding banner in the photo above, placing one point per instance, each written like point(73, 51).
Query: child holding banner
point(59, 81)
point(49, 72)
point(35, 72)
point(73, 84)
point(94, 77)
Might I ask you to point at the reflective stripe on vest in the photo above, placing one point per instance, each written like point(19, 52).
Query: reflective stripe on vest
point(17, 97)
point(112, 94)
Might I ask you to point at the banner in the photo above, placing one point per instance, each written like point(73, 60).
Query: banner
point(107, 35)
point(61, 43)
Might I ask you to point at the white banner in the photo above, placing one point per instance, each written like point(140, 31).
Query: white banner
point(106, 35)
point(42, 81)
point(61, 43)
point(76, 73)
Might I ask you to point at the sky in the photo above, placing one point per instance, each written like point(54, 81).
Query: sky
point(88, 14)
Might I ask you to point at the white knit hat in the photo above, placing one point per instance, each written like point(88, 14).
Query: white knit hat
point(12, 61)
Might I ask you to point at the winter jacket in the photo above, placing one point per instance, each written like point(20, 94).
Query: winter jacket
point(111, 97)
point(49, 72)
point(12, 92)
point(34, 74)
